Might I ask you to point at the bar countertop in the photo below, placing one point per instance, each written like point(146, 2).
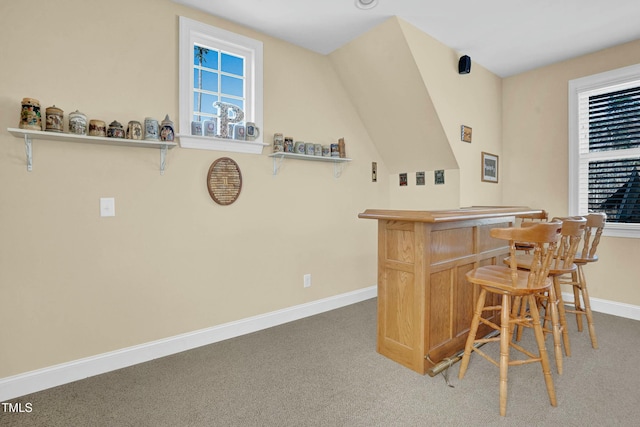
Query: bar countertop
point(462, 214)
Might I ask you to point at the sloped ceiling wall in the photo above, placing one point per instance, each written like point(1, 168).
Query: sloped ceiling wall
point(379, 72)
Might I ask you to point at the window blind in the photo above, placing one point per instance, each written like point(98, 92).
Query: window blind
point(614, 120)
point(610, 152)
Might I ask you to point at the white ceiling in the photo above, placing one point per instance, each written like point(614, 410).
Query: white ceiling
point(505, 36)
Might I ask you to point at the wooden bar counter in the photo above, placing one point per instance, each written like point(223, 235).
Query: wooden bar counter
point(425, 304)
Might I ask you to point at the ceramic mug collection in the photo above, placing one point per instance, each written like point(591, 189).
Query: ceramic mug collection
point(30, 118)
point(285, 144)
point(238, 131)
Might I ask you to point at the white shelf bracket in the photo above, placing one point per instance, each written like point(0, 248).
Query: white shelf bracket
point(277, 162)
point(337, 169)
point(28, 148)
point(163, 158)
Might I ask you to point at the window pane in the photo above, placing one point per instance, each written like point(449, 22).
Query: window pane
point(205, 80)
point(614, 188)
point(232, 64)
point(203, 102)
point(205, 57)
point(232, 86)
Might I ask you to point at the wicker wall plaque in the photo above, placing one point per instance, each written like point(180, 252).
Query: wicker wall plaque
point(224, 181)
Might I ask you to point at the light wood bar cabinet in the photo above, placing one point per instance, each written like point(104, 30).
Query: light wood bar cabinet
point(425, 304)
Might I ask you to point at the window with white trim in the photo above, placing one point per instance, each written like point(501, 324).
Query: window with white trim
point(604, 148)
point(218, 66)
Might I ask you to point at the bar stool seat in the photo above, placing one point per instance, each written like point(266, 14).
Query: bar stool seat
point(511, 282)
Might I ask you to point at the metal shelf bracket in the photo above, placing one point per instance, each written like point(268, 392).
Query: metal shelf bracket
point(277, 162)
point(28, 148)
point(163, 158)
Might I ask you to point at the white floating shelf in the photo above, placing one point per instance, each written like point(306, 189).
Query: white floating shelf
point(337, 161)
point(30, 135)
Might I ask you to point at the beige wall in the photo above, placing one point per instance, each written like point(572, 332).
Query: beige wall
point(535, 158)
point(421, 132)
point(171, 260)
point(474, 100)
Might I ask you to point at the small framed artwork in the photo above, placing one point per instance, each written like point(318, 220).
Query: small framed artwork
point(403, 180)
point(438, 177)
point(465, 133)
point(489, 167)
point(419, 178)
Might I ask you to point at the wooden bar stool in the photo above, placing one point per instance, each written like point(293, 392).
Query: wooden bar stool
point(578, 280)
point(551, 301)
point(511, 282)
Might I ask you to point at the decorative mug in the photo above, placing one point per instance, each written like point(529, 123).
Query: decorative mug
point(326, 151)
point(253, 131)
point(115, 130)
point(97, 128)
point(134, 130)
point(317, 150)
point(239, 132)
point(309, 149)
point(30, 117)
point(166, 129)
point(335, 151)
point(150, 129)
point(210, 128)
point(55, 118)
point(77, 123)
point(278, 142)
point(299, 148)
point(288, 144)
point(196, 128)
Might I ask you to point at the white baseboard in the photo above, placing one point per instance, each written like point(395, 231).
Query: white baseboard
point(42, 379)
point(619, 309)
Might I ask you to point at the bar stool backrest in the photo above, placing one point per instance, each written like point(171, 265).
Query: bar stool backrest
point(573, 229)
point(528, 220)
point(595, 225)
point(544, 237)
point(542, 216)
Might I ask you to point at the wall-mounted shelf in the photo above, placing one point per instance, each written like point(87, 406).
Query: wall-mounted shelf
point(30, 135)
point(338, 162)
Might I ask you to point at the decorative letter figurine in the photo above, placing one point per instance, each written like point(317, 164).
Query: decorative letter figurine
point(225, 120)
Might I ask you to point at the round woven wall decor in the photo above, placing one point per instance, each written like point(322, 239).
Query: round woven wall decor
point(224, 181)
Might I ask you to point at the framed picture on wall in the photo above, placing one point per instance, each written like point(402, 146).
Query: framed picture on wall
point(465, 133)
point(489, 167)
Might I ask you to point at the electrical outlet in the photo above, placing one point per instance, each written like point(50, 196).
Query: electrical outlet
point(307, 280)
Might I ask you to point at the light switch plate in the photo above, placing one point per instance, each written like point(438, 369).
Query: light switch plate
point(107, 206)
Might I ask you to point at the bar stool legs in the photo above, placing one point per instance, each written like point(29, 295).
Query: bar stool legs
point(579, 282)
point(557, 329)
point(562, 316)
point(505, 339)
point(554, 314)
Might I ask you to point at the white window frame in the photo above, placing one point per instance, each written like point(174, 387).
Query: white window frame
point(579, 155)
point(194, 32)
